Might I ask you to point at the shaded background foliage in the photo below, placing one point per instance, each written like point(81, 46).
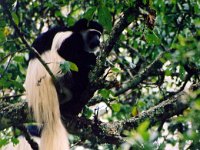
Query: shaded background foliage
point(166, 31)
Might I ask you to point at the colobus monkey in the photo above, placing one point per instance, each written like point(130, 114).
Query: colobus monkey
point(75, 44)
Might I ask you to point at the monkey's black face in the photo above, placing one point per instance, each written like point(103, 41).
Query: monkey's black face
point(92, 39)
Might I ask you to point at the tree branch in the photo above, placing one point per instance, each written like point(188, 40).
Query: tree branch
point(134, 51)
point(140, 76)
point(125, 19)
point(11, 54)
point(111, 132)
point(11, 96)
point(14, 114)
point(103, 132)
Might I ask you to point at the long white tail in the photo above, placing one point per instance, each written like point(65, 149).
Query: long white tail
point(43, 98)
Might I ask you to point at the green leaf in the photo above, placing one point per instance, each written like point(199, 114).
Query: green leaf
point(168, 72)
point(70, 20)
point(89, 13)
point(134, 111)
point(4, 83)
point(73, 66)
point(2, 36)
point(105, 18)
point(152, 39)
point(3, 142)
point(144, 1)
point(196, 104)
point(150, 3)
point(143, 126)
point(142, 129)
point(2, 22)
point(65, 67)
point(15, 141)
point(116, 107)
point(182, 72)
point(116, 70)
point(16, 84)
point(87, 112)
point(36, 4)
point(104, 93)
point(15, 18)
point(58, 14)
point(18, 59)
point(140, 104)
point(182, 40)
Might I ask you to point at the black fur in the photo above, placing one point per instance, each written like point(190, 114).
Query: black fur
point(34, 130)
point(72, 49)
point(44, 41)
point(84, 24)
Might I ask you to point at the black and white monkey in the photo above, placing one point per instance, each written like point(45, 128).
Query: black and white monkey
point(75, 44)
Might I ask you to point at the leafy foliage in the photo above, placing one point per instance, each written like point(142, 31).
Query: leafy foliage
point(167, 31)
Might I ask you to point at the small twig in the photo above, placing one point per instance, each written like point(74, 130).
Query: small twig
point(134, 51)
point(6, 68)
point(187, 78)
point(2, 43)
point(76, 144)
point(140, 76)
point(11, 54)
point(12, 96)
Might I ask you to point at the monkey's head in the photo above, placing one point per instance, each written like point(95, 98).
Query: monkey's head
point(83, 38)
point(91, 32)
